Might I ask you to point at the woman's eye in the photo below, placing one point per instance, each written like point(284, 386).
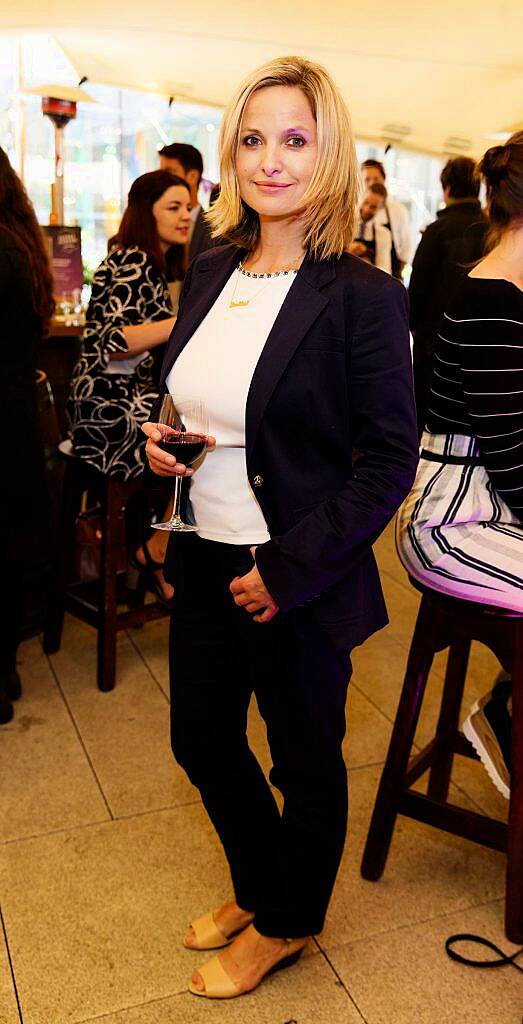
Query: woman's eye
point(295, 141)
point(250, 140)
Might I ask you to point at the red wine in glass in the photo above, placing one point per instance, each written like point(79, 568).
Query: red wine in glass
point(184, 426)
point(185, 447)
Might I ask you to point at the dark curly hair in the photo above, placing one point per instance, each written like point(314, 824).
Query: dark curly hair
point(18, 218)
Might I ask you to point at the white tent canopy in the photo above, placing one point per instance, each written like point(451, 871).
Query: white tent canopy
point(444, 78)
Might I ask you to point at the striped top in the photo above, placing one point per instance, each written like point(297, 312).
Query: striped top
point(477, 383)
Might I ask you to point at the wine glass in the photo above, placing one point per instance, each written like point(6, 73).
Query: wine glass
point(184, 426)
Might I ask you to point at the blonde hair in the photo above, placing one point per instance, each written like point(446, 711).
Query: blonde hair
point(330, 200)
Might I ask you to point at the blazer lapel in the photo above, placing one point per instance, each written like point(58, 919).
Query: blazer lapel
point(210, 276)
point(302, 306)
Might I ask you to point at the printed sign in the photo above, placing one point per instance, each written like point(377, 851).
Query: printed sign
point(65, 253)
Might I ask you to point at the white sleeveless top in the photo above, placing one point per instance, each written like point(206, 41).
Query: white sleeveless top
point(216, 366)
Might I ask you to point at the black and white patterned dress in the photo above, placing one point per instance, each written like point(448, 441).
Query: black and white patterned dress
point(460, 531)
point(109, 399)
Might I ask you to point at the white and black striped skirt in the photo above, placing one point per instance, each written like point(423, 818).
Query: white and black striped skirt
point(454, 533)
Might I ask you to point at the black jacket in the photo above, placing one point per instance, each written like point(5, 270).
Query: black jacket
point(334, 378)
point(448, 247)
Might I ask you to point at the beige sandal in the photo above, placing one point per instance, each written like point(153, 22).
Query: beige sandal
point(207, 935)
point(218, 984)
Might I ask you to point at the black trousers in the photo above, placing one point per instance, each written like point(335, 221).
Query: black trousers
point(283, 865)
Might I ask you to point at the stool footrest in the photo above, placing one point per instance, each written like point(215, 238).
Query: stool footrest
point(87, 612)
point(425, 758)
point(459, 822)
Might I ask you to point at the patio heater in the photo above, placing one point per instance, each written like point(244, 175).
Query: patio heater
point(59, 104)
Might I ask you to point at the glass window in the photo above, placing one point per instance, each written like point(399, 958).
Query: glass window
point(117, 138)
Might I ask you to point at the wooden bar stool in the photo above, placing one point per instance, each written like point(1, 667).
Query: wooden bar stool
point(96, 605)
point(449, 622)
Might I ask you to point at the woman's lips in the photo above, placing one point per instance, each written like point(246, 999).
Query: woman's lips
point(272, 186)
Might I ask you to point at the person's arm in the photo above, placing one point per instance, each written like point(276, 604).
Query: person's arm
point(120, 303)
point(495, 405)
point(425, 268)
point(328, 542)
point(402, 234)
point(143, 337)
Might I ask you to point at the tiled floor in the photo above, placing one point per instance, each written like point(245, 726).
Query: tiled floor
point(106, 854)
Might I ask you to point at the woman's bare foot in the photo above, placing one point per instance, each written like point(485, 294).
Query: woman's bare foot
point(228, 919)
point(250, 957)
point(157, 548)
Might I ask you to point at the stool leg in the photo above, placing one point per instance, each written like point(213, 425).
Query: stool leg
point(385, 811)
point(71, 498)
point(106, 650)
point(448, 722)
point(514, 890)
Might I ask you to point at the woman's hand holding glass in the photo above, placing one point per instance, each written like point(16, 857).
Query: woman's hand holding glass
point(161, 462)
point(183, 429)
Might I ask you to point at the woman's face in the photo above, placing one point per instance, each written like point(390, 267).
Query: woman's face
point(277, 151)
point(172, 213)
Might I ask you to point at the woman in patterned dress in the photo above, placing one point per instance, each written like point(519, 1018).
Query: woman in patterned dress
point(460, 531)
point(130, 314)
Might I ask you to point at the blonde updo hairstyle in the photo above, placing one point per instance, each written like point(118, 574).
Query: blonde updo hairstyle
point(502, 169)
point(330, 201)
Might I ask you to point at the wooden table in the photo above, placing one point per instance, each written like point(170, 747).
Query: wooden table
point(57, 356)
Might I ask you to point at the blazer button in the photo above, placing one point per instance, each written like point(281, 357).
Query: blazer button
point(258, 480)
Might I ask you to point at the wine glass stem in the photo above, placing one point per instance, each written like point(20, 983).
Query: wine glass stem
point(175, 518)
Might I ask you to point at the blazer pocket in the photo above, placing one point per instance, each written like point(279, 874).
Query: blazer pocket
point(325, 343)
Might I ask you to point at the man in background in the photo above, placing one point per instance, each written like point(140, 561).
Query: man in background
point(186, 161)
point(373, 240)
point(448, 248)
point(393, 215)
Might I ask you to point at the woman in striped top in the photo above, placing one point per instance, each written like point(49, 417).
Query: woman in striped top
point(460, 531)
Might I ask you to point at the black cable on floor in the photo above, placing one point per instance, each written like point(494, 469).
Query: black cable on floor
point(503, 960)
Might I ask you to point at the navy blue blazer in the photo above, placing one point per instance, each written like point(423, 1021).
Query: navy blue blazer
point(330, 426)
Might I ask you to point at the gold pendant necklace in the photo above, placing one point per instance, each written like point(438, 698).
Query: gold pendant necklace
point(239, 303)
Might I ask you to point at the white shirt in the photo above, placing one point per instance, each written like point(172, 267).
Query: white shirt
point(216, 366)
point(372, 231)
point(400, 224)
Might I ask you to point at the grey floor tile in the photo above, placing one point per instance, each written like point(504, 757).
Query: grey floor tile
point(308, 993)
point(95, 916)
point(47, 782)
point(126, 731)
point(387, 556)
point(402, 604)
point(405, 977)
point(8, 1005)
point(378, 670)
point(428, 873)
point(152, 641)
point(368, 731)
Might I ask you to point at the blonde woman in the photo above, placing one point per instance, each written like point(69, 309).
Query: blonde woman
point(301, 355)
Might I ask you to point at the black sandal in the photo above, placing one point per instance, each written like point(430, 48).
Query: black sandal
point(149, 568)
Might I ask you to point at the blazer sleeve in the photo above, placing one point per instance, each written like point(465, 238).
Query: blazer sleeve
point(326, 545)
